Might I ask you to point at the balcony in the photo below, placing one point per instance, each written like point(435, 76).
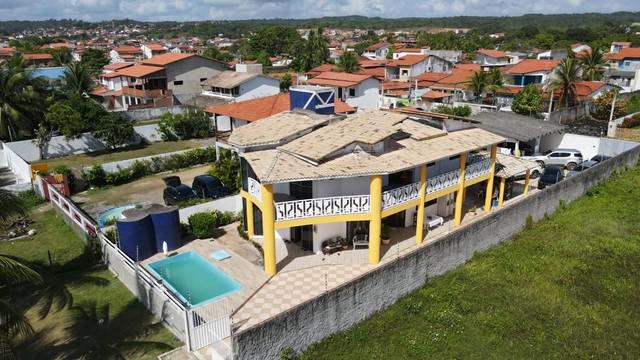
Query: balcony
point(443, 181)
point(148, 94)
point(397, 196)
point(253, 188)
point(478, 167)
point(337, 205)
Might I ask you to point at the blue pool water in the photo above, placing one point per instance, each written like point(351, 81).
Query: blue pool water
point(52, 73)
point(115, 212)
point(193, 279)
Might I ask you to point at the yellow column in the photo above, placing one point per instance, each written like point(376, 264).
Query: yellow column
point(492, 172)
point(268, 230)
point(421, 196)
point(460, 193)
point(501, 194)
point(375, 223)
point(249, 209)
point(526, 183)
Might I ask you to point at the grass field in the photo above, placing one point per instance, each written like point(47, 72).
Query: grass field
point(155, 148)
point(567, 287)
point(83, 308)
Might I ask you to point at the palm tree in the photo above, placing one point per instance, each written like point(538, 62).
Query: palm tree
point(593, 65)
point(565, 78)
point(478, 82)
point(77, 78)
point(348, 62)
point(18, 98)
point(495, 82)
point(13, 271)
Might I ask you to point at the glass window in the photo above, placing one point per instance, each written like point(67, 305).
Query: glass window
point(177, 82)
point(352, 92)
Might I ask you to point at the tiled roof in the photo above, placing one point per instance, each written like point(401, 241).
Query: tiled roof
point(110, 75)
point(436, 95)
point(527, 66)
point(377, 46)
point(368, 63)
point(338, 79)
point(321, 68)
point(8, 51)
point(468, 66)
point(137, 71)
point(377, 72)
point(275, 129)
point(458, 79)
point(155, 47)
point(260, 108)
point(37, 56)
point(116, 66)
point(127, 50)
point(431, 76)
point(229, 79)
point(408, 60)
point(166, 59)
point(492, 53)
point(625, 53)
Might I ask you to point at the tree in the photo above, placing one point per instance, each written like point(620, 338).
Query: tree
point(61, 56)
point(62, 117)
point(593, 65)
point(390, 53)
point(77, 79)
point(348, 62)
point(20, 101)
point(192, 124)
point(114, 130)
point(275, 40)
point(602, 106)
point(495, 82)
point(528, 101)
point(227, 169)
point(478, 82)
point(565, 78)
point(263, 58)
point(462, 111)
point(285, 83)
point(214, 53)
point(93, 60)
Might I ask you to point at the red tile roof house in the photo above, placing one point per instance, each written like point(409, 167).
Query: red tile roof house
point(232, 115)
point(530, 71)
point(125, 53)
point(377, 51)
point(164, 80)
point(409, 67)
point(152, 49)
point(39, 60)
point(488, 57)
point(7, 52)
point(359, 91)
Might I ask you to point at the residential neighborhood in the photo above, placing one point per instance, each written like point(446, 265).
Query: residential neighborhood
point(258, 184)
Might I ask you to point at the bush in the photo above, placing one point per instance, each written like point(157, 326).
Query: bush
point(630, 122)
point(30, 199)
point(203, 224)
point(602, 106)
point(192, 124)
point(227, 169)
point(96, 176)
point(528, 101)
point(462, 111)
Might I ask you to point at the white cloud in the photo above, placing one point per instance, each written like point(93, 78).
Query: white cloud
point(252, 9)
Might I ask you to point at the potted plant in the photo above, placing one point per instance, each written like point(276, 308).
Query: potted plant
point(385, 234)
point(343, 241)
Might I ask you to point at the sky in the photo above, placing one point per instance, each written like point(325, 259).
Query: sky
point(184, 10)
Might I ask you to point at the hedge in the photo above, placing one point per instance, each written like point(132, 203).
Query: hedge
point(96, 176)
point(203, 224)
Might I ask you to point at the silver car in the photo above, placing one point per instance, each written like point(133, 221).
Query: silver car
point(568, 158)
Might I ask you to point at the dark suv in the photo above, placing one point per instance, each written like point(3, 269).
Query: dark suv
point(553, 174)
point(207, 186)
point(176, 191)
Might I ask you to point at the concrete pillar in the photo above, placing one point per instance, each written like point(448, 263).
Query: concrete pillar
point(460, 193)
point(501, 194)
point(268, 230)
point(375, 223)
point(249, 209)
point(420, 213)
point(492, 171)
point(526, 183)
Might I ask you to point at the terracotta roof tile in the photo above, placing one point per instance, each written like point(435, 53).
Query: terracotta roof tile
point(625, 53)
point(527, 66)
point(436, 95)
point(166, 59)
point(408, 60)
point(139, 70)
point(492, 53)
point(127, 50)
point(37, 56)
point(339, 79)
point(377, 46)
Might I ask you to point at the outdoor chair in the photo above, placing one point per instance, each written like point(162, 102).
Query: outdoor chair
point(360, 240)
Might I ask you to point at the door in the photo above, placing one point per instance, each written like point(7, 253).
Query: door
point(303, 236)
point(301, 189)
point(356, 227)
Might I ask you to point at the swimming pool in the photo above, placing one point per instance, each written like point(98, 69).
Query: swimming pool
point(193, 279)
point(115, 212)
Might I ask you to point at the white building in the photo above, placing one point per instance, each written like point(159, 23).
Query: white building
point(360, 91)
point(241, 85)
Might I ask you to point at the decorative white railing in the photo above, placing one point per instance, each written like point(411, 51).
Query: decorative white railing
point(400, 195)
point(253, 188)
point(338, 205)
point(477, 168)
point(443, 181)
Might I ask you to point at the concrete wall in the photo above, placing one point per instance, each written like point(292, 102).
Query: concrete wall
point(118, 165)
point(190, 71)
point(152, 113)
point(258, 87)
point(19, 166)
point(230, 203)
point(341, 308)
point(588, 145)
point(567, 115)
point(366, 95)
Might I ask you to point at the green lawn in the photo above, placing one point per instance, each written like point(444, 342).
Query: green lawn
point(567, 287)
point(160, 147)
point(90, 309)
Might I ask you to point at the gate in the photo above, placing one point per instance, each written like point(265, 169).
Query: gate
point(208, 323)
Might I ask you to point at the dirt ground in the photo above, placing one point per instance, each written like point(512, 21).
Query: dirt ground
point(146, 190)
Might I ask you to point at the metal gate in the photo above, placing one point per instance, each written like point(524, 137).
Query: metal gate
point(208, 323)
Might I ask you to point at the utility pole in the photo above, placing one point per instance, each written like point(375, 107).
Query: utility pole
point(613, 105)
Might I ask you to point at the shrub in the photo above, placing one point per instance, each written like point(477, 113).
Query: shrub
point(630, 122)
point(30, 199)
point(96, 176)
point(65, 170)
point(462, 111)
point(203, 224)
point(192, 124)
point(227, 169)
point(528, 101)
point(185, 230)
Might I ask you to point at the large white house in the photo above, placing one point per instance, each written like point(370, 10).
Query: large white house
point(247, 82)
point(359, 91)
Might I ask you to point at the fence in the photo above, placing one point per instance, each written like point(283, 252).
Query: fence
point(118, 165)
point(567, 115)
point(197, 327)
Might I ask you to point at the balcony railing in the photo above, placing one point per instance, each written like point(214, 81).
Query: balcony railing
point(477, 168)
point(443, 181)
point(400, 195)
point(253, 188)
point(338, 205)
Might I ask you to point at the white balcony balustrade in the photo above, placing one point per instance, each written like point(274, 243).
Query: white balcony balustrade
point(400, 195)
point(443, 181)
point(337, 205)
point(253, 188)
point(477, 168)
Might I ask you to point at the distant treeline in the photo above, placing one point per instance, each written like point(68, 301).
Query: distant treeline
point(482, 24)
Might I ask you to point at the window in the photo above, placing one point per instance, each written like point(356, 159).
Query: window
point(202, 79)
point(352, 92)
point(177, 82)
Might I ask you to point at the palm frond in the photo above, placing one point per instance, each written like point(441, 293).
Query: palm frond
point(14, 270)
point(12, 322)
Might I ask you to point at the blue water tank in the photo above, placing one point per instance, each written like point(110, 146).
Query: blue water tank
point(318, 99)
point(136, 236)
point(166, 225)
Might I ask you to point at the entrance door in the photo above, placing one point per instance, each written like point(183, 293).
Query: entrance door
point(356, 227)
point(303, 236)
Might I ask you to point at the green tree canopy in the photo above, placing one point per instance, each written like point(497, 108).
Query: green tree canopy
point(114, 130)
point(94, 60)
point(528, 101)
point(348, 62)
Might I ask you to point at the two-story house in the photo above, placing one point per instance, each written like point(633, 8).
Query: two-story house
point(410, 66)
point(377, 51)
point(152, 49)
point(530, 71)
point(125, 53)
point(247, 82)
point(310, 179)
point(616, 46)
point(491, 58)
point(624, 68)
point(357, 90)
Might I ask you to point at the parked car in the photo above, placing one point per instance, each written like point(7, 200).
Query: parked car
point(175, 191)
point(553, 174)
point(599, 158)
point(582, 167)
point(569, 158)
point(207, 186)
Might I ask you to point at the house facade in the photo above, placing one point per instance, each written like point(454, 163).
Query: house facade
point(377, 51)
point(240, 85)
point(311, 179)
point(489, 58)
point(125, 53)
point(531, 71)
point(359, 91)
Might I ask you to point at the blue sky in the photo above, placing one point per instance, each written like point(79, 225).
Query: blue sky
point(182, 10)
